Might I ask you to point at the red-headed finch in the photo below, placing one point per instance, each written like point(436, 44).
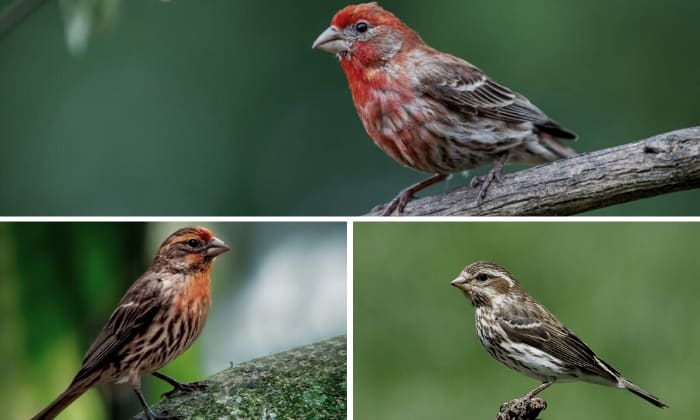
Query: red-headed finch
point(521, 333)
point(432, 111)
point(158, 318)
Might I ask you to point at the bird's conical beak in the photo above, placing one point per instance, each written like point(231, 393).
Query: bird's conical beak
point(216, 247)
point(331, 41)
point(459, 282)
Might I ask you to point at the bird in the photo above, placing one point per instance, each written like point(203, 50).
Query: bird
point(157, 319)
point(431, 111)
point(521, 333)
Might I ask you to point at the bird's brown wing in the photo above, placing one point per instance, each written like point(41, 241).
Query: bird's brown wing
point(465, 88)
point(133, 315)
point(558, 341)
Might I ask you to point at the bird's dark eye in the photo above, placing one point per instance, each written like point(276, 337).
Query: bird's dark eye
point(361, 27)
point(194, 243)
point(482, 277)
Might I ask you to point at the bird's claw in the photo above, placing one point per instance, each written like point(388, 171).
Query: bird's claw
point(484, 182)
point(153, 416)
point(398, 203)
point(185, 389)
point(407, 194)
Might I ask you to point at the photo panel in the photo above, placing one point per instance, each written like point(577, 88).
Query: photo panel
point(273, 296)
point(628, 290)
point(237, 108)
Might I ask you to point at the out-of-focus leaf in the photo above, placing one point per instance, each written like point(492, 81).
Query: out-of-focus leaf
point(81, 17)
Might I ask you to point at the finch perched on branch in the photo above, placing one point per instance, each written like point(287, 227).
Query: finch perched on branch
point(432, 111)
point(158, 318)
point(521, 333)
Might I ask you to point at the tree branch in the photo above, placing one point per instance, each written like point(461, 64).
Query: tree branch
point(306, 382)
point(521, 409)
point(658, 165)
point(12, 14)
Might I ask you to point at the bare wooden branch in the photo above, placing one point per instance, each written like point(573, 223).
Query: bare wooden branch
point(521, 409)
point(661, 164)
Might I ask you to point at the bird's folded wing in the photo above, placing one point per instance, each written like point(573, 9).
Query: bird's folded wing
point(558, 341)
point(459, 85)
point(129, 319)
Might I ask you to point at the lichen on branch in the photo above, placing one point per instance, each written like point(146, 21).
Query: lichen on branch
point(308, 382)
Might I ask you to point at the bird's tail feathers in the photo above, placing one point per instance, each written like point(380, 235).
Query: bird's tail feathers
point(642, 393)
point(75, 390)
point(555, 147)
point(554, 129)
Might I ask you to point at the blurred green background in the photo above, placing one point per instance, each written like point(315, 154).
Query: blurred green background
point(223, 108)
point(282, 285)
point(629, 290)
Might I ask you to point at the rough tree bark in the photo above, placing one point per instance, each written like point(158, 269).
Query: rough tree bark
point(521, 409)
point(304, 383)
point(660, 164)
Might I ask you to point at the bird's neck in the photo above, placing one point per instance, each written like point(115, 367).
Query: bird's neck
point(364, 79)
point(194, 295)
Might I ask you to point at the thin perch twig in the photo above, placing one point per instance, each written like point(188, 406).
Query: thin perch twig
point(521, 409)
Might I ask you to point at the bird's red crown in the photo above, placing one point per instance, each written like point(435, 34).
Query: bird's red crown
point(370, 12)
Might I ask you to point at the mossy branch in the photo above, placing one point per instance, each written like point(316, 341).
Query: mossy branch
point(661, 164)
point(304, 383)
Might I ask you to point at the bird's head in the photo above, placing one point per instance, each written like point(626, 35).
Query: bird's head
point(365, 34)
point(190, 249)
point(486, 283)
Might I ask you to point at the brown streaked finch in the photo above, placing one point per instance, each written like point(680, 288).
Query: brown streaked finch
point(522, 334)
point(158, 318)
point(432, 111)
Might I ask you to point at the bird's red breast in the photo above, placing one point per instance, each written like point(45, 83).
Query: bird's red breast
point(195, 295)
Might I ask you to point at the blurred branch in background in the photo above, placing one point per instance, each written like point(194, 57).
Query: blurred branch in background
point(306, 382)
point(661, 164)
point(15, 12)
point(80, 17)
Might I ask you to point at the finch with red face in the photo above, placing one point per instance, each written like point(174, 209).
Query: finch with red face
point(158, 318)
point(432, 111)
